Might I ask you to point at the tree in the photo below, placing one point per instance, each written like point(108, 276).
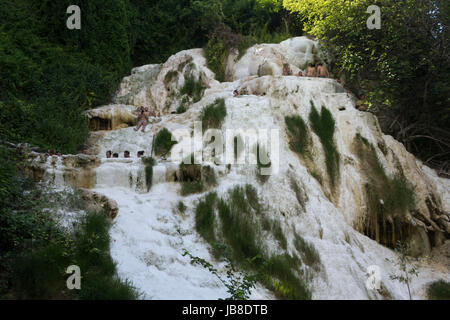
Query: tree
point(403, 68)
point(406, 265)
point(238, 284)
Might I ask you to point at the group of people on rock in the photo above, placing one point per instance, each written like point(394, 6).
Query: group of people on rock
point(126, 154)
point(313, 70)
point(144, 115)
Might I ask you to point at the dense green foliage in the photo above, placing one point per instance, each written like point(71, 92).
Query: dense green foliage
point(163, 142)
point(204, 217)
point(241, 220)
point(403, 68)
point(213, 115)
point(193, 88)
point(388, 198)
point(35, 249)
point(49, 74)
point(237, 25)
point(439, 290)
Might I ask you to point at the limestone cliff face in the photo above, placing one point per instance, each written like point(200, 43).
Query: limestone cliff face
point(350, 212)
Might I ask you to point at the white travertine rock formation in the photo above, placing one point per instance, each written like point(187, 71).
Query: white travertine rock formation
point(115, 116)
point(148, 233)
point(268, 59)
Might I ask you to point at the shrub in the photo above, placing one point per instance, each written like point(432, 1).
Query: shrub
point(40, 272)
point(240, 229)
point(396, 194)
point(163, 142)
point(213, 115)
point(181, 109)
point(223, 40)
point(298, 134)
point(216, 55)
point(323, 125)
point(279, 276)
point(188, 188)
point(181, 206)
point(439, 290)
point(196, 178)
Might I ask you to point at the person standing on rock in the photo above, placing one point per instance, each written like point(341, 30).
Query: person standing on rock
point(311, 70)
point(322, 71)
point(142, 119)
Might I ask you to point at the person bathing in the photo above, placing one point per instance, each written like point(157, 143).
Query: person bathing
point(311, 70)
point(322, 71)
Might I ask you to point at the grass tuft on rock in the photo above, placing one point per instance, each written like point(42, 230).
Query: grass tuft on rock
point(193, 88)
point(181, 109)
point(148, 162)
point(323, 125)
point(298, 134)
point(204, 217)
point(196, 178)
point(213, 115)
point(309, 254)
point(240, 228)
point(388, 198)
point(163, 142)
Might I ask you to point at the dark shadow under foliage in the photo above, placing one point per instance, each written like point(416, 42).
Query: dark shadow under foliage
point(439, 290)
